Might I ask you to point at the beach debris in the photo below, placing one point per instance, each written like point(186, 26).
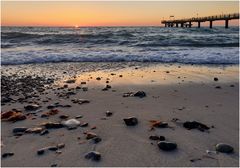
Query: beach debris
point(98, 78)
point(50, 125)
point(31, 107)
point(218, 87)
point(83, 83)
point(195, 125)
point(7, 154)
point(17, 130)
point(211, 152)
point(63, 116)
point(80, 101)
point(51, 112)
point(85, 124)
point(215, 79)
point(70, 81)
point(94, 155)
point(60, 145)
point(34, 130)
point(71, 123)
point(167, 146)
point(157, 138)
point(85, 89)
point(139, 94)
point(224, 148)
point(232, 85)
point(109, 113)
point(13, 116)
point(90, 135)
point(158, 124)
point(131, 121)
point(120, 76)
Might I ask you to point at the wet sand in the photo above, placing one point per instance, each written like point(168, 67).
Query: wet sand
point(183, 92)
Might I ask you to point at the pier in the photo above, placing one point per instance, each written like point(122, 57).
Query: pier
point(188, 22)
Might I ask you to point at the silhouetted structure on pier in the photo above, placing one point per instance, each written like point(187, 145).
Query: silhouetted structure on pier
point(188, 22)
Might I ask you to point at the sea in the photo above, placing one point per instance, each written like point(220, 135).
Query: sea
point(27, 45)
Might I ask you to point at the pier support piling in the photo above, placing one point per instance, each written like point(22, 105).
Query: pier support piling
point(210, 24)
point(199, 24)
point(181, 24)
point(190, 24)
point(176, 24)
point(226, 23)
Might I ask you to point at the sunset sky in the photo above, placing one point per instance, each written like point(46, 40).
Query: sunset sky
point(107, 13)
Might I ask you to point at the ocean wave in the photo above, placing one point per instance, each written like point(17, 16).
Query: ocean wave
point(23, 45)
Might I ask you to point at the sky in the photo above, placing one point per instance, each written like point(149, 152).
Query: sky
point(108, 13)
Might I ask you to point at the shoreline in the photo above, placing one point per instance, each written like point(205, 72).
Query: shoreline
point(186, 93)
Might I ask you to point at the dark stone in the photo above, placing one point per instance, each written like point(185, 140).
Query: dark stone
point(96, 139)
point(7, 154)
point(84, 124)
point(224, 148)
point(96, 156)
point(215, 79)
point(218, 87)
point(19, 130)
point(232, 86)
point(41, 151)
point(131, 121)
point(50, 125)
point(195, 125)
point(98, 78)
point(162, 138)
point(54, 165)
point(108, 87)
point(44, 132)
point(63, 116)
point(140, 94)
point(167, 146)
point(51, 106)
point(154, 137)
point(71, 81)
point(52, 148)
point(79, 116)
point(109, 113)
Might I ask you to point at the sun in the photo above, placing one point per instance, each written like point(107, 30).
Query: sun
point(76, 26)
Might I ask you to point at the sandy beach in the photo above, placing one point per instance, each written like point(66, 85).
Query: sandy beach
point(175, 93)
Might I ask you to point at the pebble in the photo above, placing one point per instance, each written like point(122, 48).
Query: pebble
point(60, 145)
point(131, 121)
point(224, 148)
point(94, 155)
point(34, 130)
point(98, 78)
point(7, 154)
point(195, 125)
point(167, 146)
point(71, 123)
point(54, 165)
point(90, 135)
point(215, 79)
point(70, 81)
point(31, 107)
